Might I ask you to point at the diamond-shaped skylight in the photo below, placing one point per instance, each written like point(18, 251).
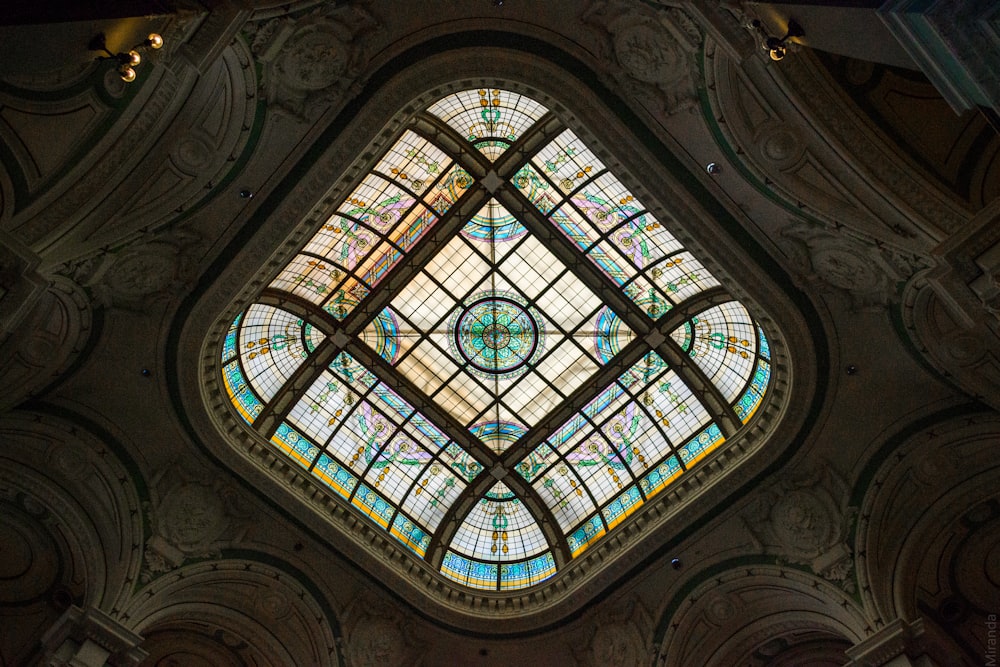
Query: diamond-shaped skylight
point(491, 353)
point(496, 329)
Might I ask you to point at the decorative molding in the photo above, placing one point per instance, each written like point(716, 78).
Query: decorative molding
point(90, 638)
point(234, 611)
point(194, 515)
point(897, 638)
point(52, 330)
point(727, 616)
point(967, 275)
point(313, 61)
point(138, 275)
point(803, 140)
point(948, 313)
point(803, 518)
point(919, 495)
point(649, 54)
point(21, 286)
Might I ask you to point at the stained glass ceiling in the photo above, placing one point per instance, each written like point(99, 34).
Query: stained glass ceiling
point(496, 353)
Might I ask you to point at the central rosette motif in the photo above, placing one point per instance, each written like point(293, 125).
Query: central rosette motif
point(496, 334)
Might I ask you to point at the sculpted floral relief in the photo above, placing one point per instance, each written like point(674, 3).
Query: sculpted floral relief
point(804, 519)
point(651, 54)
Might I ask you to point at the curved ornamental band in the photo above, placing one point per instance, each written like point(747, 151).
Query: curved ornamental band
point(537, 355)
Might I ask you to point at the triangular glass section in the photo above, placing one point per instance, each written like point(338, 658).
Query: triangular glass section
point(499, 544)
point(489, 118)
point(376, 226)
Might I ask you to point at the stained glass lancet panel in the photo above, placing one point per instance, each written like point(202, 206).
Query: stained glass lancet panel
point(733, 352)
point(499, 538)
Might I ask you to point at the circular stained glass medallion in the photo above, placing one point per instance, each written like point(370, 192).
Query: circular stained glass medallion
point(496, 335)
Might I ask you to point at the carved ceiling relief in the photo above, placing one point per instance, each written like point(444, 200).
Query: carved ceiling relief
point(52, 330)
point(920, 208)
point(194, 515)
point(803, 518)
point(232, 612)
point(649, 54)
point(40, 220)
point(618, 636)
point(377, 634)
point(953, 310)
point(65, 502)
point(958, 582)
point(873, 196)
point(732, 618)
point(927, 527)
point(211, 129)
point(867, 271)
point(136, 276)
point(962, 348)
point(967, 275)
point(36, 568)
point(311, 62)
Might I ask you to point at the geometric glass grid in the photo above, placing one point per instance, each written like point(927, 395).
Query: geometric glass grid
point(415, 351)
point(496, 329)
point(588, 204)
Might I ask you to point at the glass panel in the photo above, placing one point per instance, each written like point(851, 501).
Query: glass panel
point(724, 345)
point(272, 345)
point(567, 162)
point(536, 189)
point(499, 528)
point(469, 572)
point(446, 192)
point(563, 492)
point(413, 162)
point(527, 573)
point(247, 405)
point(489, 118)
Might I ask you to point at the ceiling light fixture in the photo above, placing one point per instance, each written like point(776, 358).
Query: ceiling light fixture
point(776, 47)
point(127, 61)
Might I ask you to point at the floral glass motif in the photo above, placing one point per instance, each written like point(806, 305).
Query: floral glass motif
point(483, 361)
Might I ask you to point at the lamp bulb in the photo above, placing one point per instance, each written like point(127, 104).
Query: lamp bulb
point(127, 74)
point(134, 58)
point(777, 53)
point(155, 40)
